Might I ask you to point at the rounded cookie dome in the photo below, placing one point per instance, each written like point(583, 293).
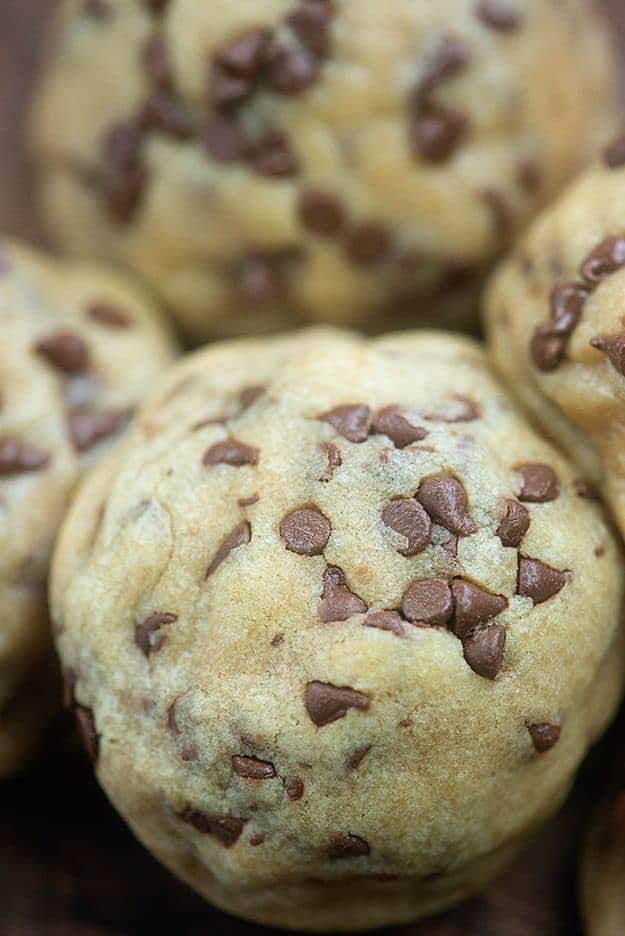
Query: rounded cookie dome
point(306, 160)
point(554, 313)
point(338, 627)
point(78, 349)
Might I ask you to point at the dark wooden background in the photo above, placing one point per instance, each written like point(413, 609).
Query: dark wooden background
point(68, 865)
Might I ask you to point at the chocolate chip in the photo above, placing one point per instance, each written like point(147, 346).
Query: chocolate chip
point(409, 519)
point(321, 212)
point(260, 279)
point(66, 351)
point(88, 427)
point(109, 315)
point(249, 395)
point(17, 456)
point(585, 489)
point(231, 452)
point(368, 244)
point(515, 523)
point(156, 62)
point(451, 547)
point(277, 639)
point(356, 758)
point(165, 112)
point(306, 531)
point(294, 788)
point(148, 636)
point(428, 601)
point(389, 421)
point(500, 210)
point(245, 55)
point(437, 133)
point(613, 346)
point(539, 581)
point(125, 176)
point(450, 58)
point(224, 139)
point(540, 483)
point(338, 602)
point(271, 155)
point(248, 501)
point(240, 536)
point(87, 731)
point(499, 15)
point(250, 768)
point(351, 420)
point(445, 500)
point(473, 606)
point(544, 736)
point(326, 703)
point(257, 840)
point(225, 828)
point(614, 154)
point(291, 71)
point(310, 22)
point(604, 260)
point(334, 459)
point(549, 341)
point(483, 650)
point(348, 846)
point(458, 409)
point(387, 621)
point(227, 89)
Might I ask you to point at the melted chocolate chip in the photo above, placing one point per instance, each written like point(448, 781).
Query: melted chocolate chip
point(291, 71)
point(498, 15)
point(348, 846)
point(228, 89)
point(245, 55)
point(450, 58)
point(389, 421)
point(326, 703)
point(350, 420)
point(445, 500)
point(604, 260)
point(387, 621)
point(483, 650)
point(321, 212)
point(540, 483)
point(368, 244)
point(148, 635)
point(409, 519)
point(240, 536)
point(294, 788)
point(539, 581)
point(306, 531)
point(515, 524)
point(165, 112)
point(250, 768)
point(334, 459)
point(225, 828)
point(125, 176)
point(156, 62)
point(271, 155)
point(356, 758)
point(17, 457)
point(224, 139)
point(613, 346)
point(429, 602)
point(474, 606)
point(614, 154)
point(88, 427)
point(231, 452)
point(549, 341)
point(249, 395)
point(109, 315)
point(544, 736)
point(66, 351)
point(310, 22)
point(437, 133)
point(338, 602)
point(87, 731)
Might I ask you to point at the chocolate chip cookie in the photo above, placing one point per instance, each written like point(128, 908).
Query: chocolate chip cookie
point(554, 313)
point(314, 160)
point(78, 349)
point(337, 626)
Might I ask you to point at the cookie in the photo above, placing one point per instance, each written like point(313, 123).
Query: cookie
point(603, 871)
point(305, 160)
point(337, 627)
point(78, 350)
point(554, 313)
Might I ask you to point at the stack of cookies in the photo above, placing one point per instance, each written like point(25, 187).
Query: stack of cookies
point(339, 614)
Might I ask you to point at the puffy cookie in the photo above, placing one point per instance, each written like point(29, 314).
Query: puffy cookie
point(554, 313)
point(306, 160)
point(337, 626)
point(603, 871)
point(78, 350)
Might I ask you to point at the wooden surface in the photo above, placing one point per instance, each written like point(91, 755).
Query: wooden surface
point(68, 865)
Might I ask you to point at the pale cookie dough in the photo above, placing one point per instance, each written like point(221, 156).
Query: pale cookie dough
point(304, 160)
point(555, 317)
point(603, 872)
point(338, 627)
point(78, 349)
